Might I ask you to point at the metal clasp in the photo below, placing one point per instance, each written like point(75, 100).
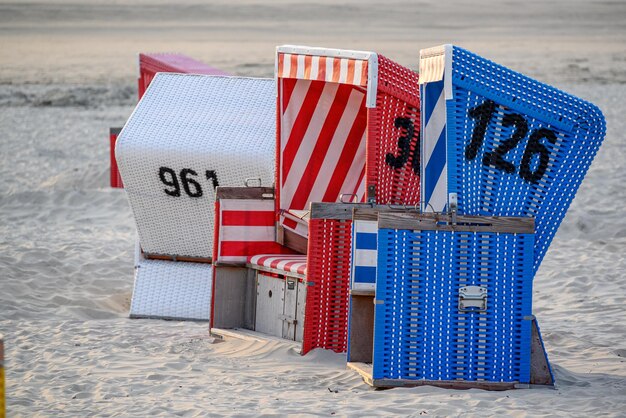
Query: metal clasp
point(473, 299)
point(353, 197)
point(249, 181)
point(453, 206)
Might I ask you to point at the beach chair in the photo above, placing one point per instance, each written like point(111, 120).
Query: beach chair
point(494, 143)
point(501, 143)
point(347, 125)
point(245, 225)
point(149, 66)
point(452, 305)
point(188, 135)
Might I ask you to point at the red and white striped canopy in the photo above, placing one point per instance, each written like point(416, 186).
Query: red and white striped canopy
point(321, 68)
point(322, 126)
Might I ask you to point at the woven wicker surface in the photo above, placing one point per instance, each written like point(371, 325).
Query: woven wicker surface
point(172, 290)
point(420, 331)
point(328, 264)
point(188, 134)
point(393, 136)
point(514, 146)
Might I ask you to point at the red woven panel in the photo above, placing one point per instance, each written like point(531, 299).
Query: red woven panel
point(150, 64)
point(328, 275)
point(145, 78)
point(115, 178)
point(393, 136)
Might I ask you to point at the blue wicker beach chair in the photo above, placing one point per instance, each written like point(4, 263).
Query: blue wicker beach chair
point(502, 143)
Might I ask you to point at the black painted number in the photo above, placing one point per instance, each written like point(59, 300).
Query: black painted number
point(483, 114)
point(496, 158)
point(536, 147)
point(212, 176)
point(189, 180)
point(404, 146)
point(168, 177)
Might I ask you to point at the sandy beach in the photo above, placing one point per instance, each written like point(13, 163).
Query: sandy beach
point(68, 72)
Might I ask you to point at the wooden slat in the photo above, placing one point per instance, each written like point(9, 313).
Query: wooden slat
point(361, 337)
point(539, 367)
point(257, 193)
point(464, 223)
point(291, 240)
point(365, 211)
point(339, 211)
point(365, 370)
point(362, 292)
point(368, 212)
point(167, 257)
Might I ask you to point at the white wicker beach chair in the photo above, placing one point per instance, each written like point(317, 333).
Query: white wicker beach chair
point(189, 134)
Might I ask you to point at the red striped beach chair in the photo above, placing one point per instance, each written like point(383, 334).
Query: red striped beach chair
point(348, 124)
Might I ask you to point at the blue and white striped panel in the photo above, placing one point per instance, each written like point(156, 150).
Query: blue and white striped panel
point(434, 165)
point(364, 254)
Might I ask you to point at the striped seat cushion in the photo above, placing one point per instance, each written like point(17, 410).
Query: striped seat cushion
point(289, 263)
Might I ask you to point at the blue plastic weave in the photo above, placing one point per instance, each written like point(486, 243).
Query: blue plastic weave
point(486, 188)
point(419, 331)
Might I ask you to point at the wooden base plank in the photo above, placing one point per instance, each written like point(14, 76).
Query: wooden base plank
point(365, 370)
point(249, 335)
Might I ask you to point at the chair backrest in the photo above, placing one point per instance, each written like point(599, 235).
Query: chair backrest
point(503, 143)
point(347, 124)
point(245, 225)
point(188, 135)
point(151, 64)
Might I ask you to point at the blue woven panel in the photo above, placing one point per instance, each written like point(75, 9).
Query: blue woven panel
point(501, 173)
point(419, 332)
point(363, 269)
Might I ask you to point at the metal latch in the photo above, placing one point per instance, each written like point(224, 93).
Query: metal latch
point(472, 298)
point(288, 319)
point(291, 284)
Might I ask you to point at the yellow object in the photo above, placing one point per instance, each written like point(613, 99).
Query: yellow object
point(2, 404)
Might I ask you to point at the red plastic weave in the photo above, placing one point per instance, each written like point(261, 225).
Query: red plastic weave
point(150, 64)
point(328, 273)
point(397, 104)
point(116, 179)
point(391, 175)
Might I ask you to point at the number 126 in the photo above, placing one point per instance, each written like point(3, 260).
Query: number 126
point(483, 114)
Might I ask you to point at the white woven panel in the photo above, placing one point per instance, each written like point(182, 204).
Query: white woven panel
point(172, 290)
point(218, 127)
